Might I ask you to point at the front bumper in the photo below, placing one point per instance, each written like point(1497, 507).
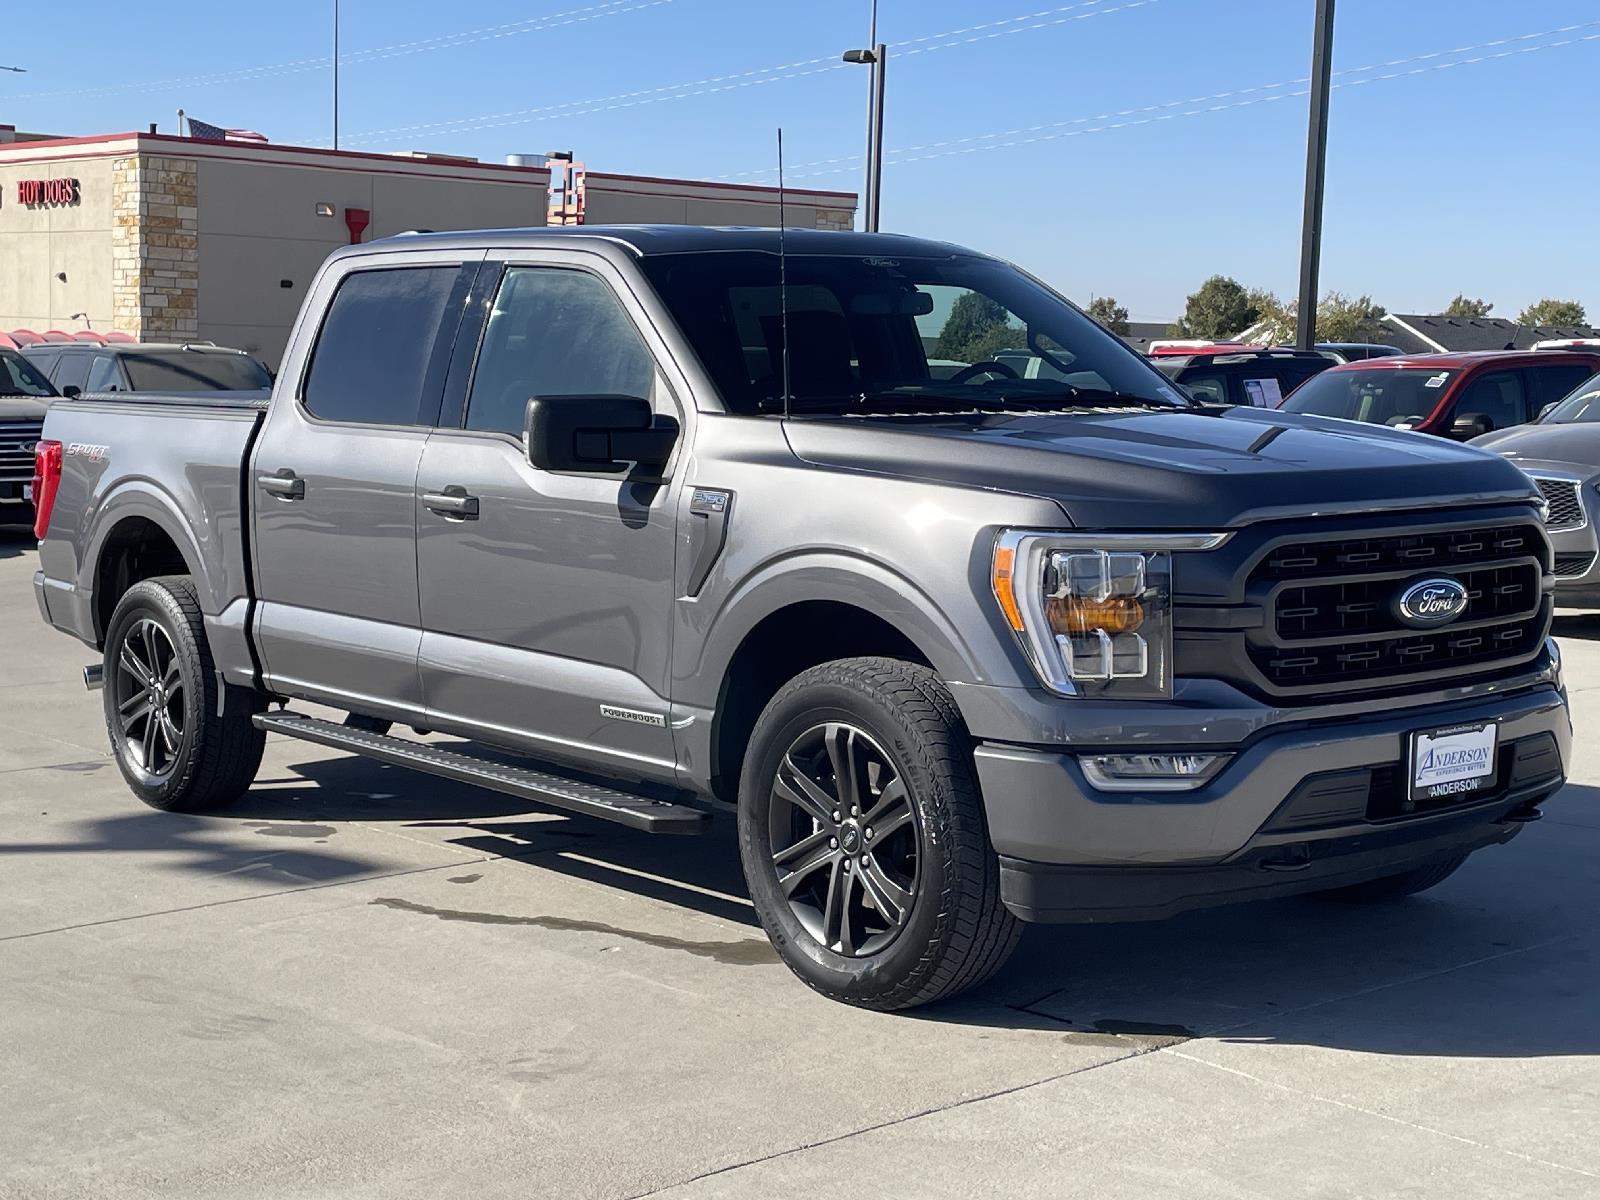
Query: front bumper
point(1296, 809)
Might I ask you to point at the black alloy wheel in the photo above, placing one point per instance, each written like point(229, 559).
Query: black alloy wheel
point(150, 697)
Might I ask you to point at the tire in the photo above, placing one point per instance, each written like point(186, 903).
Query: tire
point(1396, 887)
point(161, 693)
point(921, 918)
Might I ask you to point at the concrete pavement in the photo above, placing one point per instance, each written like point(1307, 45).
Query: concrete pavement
point(361, 983)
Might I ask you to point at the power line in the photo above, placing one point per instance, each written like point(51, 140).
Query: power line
point(760, 75)
point(447, 41)
point(1043, 132)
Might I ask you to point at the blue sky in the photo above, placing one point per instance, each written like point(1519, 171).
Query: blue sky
point(1477, 177)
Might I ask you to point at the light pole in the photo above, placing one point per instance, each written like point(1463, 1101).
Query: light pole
point(1316, 172)
point(335, 74)
point(874, 58)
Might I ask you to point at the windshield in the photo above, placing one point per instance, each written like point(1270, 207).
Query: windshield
point(19, 377)
point(1581, 404)
point(194, 371)
point(1396, 396)
point(876, 333)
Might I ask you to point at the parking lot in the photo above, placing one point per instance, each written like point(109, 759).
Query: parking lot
point(364, 983)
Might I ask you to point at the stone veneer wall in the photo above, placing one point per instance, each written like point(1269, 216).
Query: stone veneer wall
point(828, 218)
point(155, 269)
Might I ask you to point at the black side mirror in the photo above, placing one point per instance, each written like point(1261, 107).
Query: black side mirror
point(1470, 425)
point(72, 391)
point(597, 435)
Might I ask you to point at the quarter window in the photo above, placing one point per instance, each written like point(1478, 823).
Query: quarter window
point(370, 364)
point(554, 332)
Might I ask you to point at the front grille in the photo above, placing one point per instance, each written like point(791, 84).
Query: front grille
point(1565, 501)
point(16, 449)
point(1331, 621)
point(1571, 565)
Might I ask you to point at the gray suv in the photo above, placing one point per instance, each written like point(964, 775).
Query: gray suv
point(696, 522)
point(78, 367)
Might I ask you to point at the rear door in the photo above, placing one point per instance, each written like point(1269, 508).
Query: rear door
point(334, 482)
point(1549, 382)
point(547, 610)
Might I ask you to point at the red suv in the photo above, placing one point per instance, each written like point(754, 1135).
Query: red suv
point(1454, 395)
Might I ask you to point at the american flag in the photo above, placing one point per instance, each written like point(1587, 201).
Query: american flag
point(216, 133)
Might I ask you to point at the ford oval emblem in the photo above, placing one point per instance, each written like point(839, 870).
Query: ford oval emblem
point(1429, 603)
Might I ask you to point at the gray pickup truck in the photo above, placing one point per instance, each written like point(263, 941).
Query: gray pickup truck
point(684, 521)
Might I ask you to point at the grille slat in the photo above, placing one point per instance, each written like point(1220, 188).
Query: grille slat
point(1571, 565)
point(1331, 618)
point(15, 461)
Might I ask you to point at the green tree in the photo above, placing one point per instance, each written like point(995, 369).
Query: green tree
point(1342, 318)
point(976, 329)
point(1274, 318)
point(1219, 308)
point(1109, 313)
point(1465, 306)
point(1553, 312)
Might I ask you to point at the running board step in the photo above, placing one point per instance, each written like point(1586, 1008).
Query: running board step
point(572, 795)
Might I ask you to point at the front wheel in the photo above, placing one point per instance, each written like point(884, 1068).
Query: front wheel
point(174, 748)
point(863, 837)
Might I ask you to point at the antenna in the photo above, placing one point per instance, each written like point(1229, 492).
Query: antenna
point(783, 282)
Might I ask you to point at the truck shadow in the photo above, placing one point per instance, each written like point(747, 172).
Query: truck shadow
point(1501, 960)
point(15, 541)
point(1573, 624)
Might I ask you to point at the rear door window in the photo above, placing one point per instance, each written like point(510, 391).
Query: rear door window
point(1553, 381)
point(1208, 389)
point(103, 375)
point(373, 353)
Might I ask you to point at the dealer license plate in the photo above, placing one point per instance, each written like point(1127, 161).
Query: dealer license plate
point(1454, 761)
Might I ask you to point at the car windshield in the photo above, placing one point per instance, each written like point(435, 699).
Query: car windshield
point(1581, 404)
point(194, 371)
point(868, 333)
point(1402, 397)
point(19, 377)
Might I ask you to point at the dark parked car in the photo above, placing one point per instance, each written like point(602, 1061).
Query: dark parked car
point(1356, 351)
point(1455, 395)
point(76, 367)
point(1259, 378)
point(24, 395)
point(1561, 450)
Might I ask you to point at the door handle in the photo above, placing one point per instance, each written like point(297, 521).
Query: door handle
point(285, 485)
point(452, 502)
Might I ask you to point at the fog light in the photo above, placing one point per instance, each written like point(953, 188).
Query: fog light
point(1150, 772)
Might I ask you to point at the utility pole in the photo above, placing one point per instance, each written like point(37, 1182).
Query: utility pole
point(1316, 173)
point(335, 74)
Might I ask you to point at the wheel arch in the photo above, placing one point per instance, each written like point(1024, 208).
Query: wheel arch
point(140, 534)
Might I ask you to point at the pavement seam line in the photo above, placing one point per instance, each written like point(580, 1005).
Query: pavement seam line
point(1370, 1112)
point(890, 1124)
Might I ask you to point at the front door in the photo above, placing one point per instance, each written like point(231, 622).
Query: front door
point(547, 598)
point(334, 488)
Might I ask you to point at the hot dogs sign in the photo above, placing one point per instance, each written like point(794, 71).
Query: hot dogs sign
point(48, 193)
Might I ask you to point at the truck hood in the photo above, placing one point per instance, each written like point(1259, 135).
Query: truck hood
point(1178, 469)
point(23, 408)
point(1572, 446)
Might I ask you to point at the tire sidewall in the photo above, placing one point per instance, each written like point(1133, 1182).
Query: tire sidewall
point(791, 715)
point(153, 602)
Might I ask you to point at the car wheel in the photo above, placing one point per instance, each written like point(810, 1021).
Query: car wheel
point(863, 837)
point(1396, 887)
point(161, 703)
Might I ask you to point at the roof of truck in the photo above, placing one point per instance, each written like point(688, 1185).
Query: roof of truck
point(680, 239)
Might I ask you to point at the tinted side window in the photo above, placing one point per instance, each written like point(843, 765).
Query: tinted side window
point(1551, 383)
point(372, 354)
point(554, 332)
point(1497, 396)
point(103, 375)
point(46, 361)
point(1208, 389)
point(73, 371)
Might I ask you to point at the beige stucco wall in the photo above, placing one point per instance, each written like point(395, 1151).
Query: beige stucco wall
point(625, 202)
point(259, 228)
point(38, 243)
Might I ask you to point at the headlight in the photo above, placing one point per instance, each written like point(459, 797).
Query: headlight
point(1093, 611)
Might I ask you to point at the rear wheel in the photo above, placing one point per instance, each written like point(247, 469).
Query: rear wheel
point(1397, 887)
point(161, 699)
point(863, 838)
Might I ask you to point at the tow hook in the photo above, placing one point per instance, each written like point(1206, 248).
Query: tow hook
point(94, 677)
point(1290, 858)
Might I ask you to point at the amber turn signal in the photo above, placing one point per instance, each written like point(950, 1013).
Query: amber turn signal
point(1077, 617)
point(1003, 582)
